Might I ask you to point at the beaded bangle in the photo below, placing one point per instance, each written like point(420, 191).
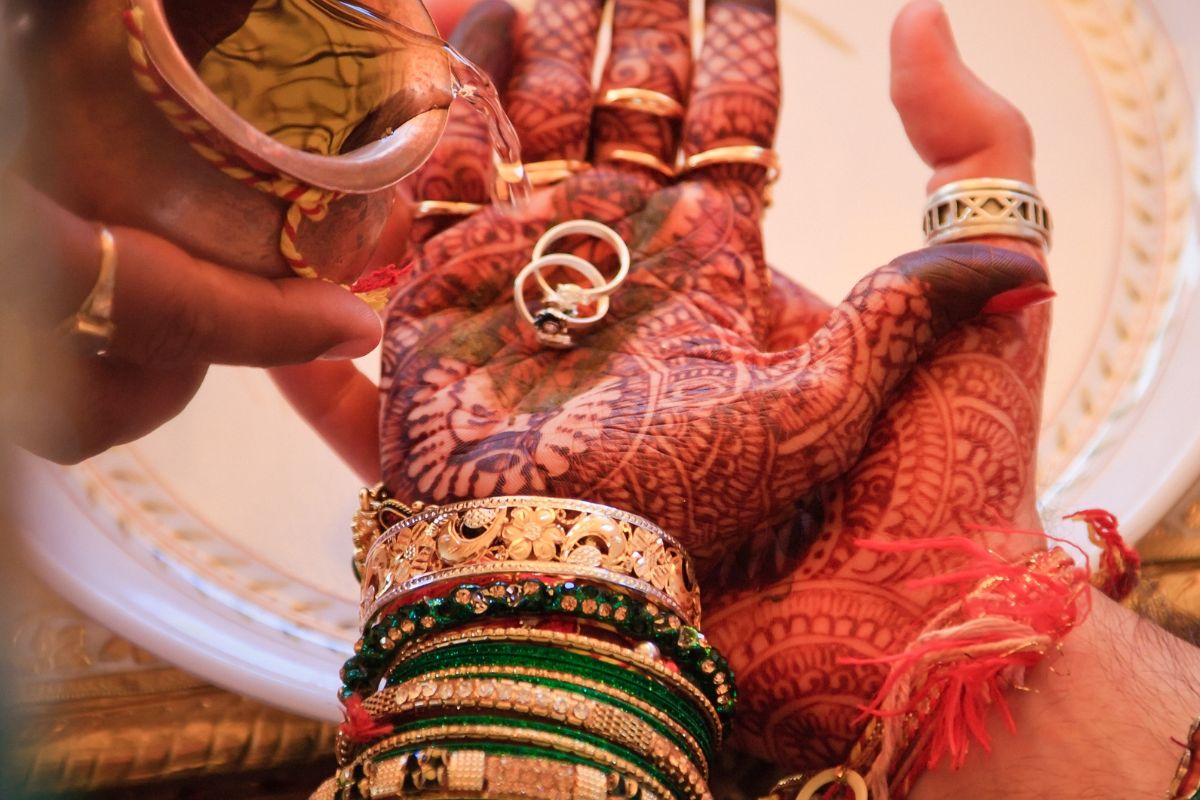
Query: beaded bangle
point(693, 710)
point(518, 597)
point(470, 694)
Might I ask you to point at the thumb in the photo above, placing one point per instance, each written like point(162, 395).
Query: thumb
point(957, 124)
point(829, 392)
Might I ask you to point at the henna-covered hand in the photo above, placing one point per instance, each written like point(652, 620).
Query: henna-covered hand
point(675, 407)
point(717, 398)
point(954, 450)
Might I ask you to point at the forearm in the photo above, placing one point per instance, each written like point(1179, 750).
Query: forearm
point(1097, 719)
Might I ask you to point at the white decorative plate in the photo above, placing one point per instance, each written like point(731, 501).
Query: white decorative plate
point(221, 542)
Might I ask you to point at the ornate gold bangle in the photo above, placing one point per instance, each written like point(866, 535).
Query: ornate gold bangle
point(503, 733)
point(552, 536)
point(536, 673)
point(545, 173)
point(377, 511)
point(571, 641)
point(986, 207)
point(553, 704)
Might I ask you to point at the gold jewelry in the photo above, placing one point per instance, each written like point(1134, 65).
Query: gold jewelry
point(544, 173)
point(639, 157)
point(623, 656)
point(91, 327)
point(445, 208)
point(838, 775)
point(552, 741)
point(647, 101)
point(736, 154)
point(545, 535)
point(377, 511)
point(557, 705)
point(987, 207)
point(479, 774)
point(537, 673)
point(436, 772)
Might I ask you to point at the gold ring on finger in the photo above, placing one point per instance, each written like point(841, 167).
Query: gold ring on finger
point(763, 157)
point(91, 328)
point(647, 101)
point(545, 173)
point(446, 208)
point(639, 157)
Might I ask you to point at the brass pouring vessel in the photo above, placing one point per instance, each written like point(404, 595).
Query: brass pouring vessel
point(99, 145)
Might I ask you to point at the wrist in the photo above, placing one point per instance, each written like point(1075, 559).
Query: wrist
point(1097, 719)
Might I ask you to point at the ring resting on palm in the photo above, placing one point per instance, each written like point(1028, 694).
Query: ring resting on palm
point(560, 310)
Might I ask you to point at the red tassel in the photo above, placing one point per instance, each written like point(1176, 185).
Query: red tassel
point(937, 692)
point(1120, 564)
point(360, 727)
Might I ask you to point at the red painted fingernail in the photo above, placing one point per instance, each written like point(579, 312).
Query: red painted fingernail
point(1019, 298)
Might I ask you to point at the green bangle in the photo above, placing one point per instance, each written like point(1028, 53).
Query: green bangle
point(470, 603)
point(484, 655)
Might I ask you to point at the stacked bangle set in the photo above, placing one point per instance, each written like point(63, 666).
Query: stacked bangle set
point(526, 647)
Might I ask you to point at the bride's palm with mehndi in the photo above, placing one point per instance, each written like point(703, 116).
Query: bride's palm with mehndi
point(701, 401)
point(716, 398)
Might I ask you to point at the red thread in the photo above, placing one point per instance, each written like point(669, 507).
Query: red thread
point(382, 278)
point(1120, 564)
point(937, 692)
point(360, 727)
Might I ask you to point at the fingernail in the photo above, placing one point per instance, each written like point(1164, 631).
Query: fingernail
point(1020, 298)
point(351, 349)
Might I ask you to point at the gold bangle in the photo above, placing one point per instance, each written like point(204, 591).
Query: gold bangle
point(545, 173)
point(638, 157)
point(91, 328)
point(377, 511)
point(537, 673)
point(580, 643)
point(529, 534)
point(556, 705)
point(987, 207)
point(435, 772)
point(507, 733)
point(648, 101)
point(445, 208)
point(736, 154)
